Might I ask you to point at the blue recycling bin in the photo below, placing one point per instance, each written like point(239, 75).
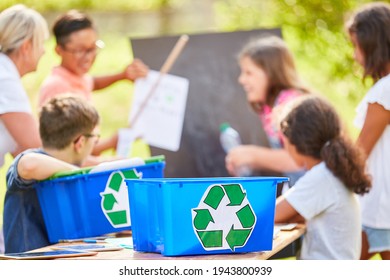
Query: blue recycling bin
point(84, 204)
point(195, 216)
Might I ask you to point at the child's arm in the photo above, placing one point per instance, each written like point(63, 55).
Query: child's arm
point(377, 119)
point(20, 124)
point(260, 158)
point(285, 213)
point(34, 166)
point(135, 70)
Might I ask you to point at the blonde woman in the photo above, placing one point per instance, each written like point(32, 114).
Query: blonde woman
point(22, 34)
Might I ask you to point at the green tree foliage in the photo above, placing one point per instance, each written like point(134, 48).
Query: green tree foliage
point(319, 26)
point(313, 29)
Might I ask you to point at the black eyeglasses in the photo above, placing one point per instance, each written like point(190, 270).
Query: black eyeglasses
point(99, 44)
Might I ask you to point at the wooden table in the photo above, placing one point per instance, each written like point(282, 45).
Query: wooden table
point(282, 239)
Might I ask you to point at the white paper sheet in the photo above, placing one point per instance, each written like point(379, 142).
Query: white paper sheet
point(161, 121)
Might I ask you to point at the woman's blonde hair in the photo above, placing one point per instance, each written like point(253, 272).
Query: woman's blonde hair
point(18, 24)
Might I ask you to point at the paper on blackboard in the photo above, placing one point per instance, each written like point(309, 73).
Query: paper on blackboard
point(162, 118)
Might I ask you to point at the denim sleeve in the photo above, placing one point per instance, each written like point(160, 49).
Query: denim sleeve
point(15, 183)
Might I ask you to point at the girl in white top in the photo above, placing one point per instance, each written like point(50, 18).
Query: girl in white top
point(369, 31)
point(325, 196)
point(22, 34)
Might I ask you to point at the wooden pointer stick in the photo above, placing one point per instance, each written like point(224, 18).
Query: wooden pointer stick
point(164, 69)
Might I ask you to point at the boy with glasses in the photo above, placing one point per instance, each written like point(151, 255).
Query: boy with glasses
point(77, 45)
point(69, 130)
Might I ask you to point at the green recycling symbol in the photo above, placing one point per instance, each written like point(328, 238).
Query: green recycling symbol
point(224, 218)
point(115, 202)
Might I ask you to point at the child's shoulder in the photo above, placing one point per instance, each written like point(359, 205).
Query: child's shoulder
point(380, 92)
point(12, 169)
point(383, 82)
point(287, 95)
point(30, 151)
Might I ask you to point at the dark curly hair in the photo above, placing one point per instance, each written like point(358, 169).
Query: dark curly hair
point(314, 128)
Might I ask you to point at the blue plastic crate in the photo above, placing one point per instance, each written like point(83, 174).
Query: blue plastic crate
point(196, 216)
point(91, 204)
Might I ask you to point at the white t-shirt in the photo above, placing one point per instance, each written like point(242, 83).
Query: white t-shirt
point(332, 214)
point(376, 204)
point(13, 98)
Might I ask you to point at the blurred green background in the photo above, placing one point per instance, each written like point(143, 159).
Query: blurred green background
point(314, 30)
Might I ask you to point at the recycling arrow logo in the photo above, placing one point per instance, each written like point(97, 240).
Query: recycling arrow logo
point(224, 218)
point(115, 202)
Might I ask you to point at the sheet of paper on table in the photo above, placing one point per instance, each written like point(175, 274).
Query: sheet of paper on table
point(125, 242)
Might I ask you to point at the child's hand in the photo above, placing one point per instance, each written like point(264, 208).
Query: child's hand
point(238, 157)
point(137, 69)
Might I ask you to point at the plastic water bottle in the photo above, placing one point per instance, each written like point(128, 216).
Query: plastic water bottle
point(230, 138)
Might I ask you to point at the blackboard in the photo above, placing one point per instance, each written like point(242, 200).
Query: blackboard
point(210, 63)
